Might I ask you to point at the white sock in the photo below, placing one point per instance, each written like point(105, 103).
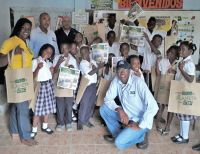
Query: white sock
point(44, 125)
point(34, 129)
point(185, 129)
point(75, 106)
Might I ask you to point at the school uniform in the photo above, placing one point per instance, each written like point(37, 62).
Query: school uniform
point(189, 68)
point(45, 102)
point(88, 100)
point(141, 76)
point(114, 49)
point(64, 104)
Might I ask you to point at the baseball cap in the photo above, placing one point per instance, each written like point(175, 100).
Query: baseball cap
point(123, 64)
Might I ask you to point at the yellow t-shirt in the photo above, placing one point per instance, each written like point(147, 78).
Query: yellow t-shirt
point(16, 60)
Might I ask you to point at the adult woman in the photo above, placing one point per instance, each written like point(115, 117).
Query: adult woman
point(19, 113)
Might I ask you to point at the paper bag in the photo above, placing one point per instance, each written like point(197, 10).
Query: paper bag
point(36, 90)
point(184, 98)
point(101, 91)
point(153, 77)
point(81, 89)
point(19, 84)
point(163, 89)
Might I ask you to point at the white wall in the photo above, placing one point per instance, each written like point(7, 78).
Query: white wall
point(5, 29)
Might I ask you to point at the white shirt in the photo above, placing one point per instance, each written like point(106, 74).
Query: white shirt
point(136, 99)
point(149, 58)
point(85, 68)
point(116, 30)
point(141, 76)
point(150, 35)
point(189, 68)
point(115, 49)
point(70, 60)
point(164, 66)
point(39, 38)
point(44, 74)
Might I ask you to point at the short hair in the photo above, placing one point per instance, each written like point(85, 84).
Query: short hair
point(109, 33)
point(43, 14)
point(132, 57)
point(18, 26)
point(157, 35)
point(176, 48)
point(152, 19)
point(124, 43)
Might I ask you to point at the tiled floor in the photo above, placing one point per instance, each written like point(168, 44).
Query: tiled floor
point(90, 141)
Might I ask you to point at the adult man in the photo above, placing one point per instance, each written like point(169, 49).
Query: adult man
point(137, 110)
point(42, 35)
point(66, 34)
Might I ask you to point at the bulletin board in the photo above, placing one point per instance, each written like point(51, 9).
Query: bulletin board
point(168, 15)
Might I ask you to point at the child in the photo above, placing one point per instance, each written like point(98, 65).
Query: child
point(185, 71)
point(45, 102)
point(75, 52)
point(164, 66)
point(134, 61)
point(64, 104)
point(89, 69)
point(124, 50)
point(113, 46)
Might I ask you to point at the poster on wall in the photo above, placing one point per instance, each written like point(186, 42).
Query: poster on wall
point(133, 35)
point(80, 18)
point(102, 4)
point(186, 27)
point(59, 22)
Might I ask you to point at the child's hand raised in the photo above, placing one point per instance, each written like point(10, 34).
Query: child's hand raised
point(60, 60)
point(181, 65)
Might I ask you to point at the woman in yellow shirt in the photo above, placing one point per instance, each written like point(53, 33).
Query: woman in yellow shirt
point(19, 113)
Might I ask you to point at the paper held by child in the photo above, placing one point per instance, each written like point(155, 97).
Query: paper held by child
point(68, 78)
point(134, 12)
point(100, 52)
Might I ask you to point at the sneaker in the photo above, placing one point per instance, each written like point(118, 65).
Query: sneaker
point(60, 128)
point(69, 127)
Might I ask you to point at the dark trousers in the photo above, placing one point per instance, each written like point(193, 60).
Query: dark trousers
point(64, 110)
point(87, 104)
point(147, 78)
point(19, 120)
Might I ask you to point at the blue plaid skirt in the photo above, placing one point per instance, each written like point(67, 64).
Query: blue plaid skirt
point(185, 117)
point(46, 102)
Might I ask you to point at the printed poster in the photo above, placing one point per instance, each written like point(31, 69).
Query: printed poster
point(68, 78)
point(102, 4)
point(80, 18)
point(133, 35)
point(134, 12)
point(100, 52)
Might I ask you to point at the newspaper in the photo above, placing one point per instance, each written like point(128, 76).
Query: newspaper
point(68, 78)
point(100, 52)
point(134, 12)
point(133, 35)
point(114, 64)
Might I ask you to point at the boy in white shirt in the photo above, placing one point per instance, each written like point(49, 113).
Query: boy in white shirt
point(89, 69)
point(64, 104)
point(113, 46)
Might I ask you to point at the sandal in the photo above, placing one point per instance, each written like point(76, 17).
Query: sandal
point(47, 130)
point(165, 132)
point(180, 140)
point(175, 137)
point(33, 134)
point(159, 129)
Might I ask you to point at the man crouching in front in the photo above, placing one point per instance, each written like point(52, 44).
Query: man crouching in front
point(129, 122)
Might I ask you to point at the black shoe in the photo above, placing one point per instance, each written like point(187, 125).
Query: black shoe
point(144, 144)
point(89, 125)
point(175, 137)
point(196, 147)
point(47, 130)
point(109, 138)
point(181, 140)
point(79, 126)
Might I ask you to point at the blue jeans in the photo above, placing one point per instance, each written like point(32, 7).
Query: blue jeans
point(19, 120)
point(124, 138)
